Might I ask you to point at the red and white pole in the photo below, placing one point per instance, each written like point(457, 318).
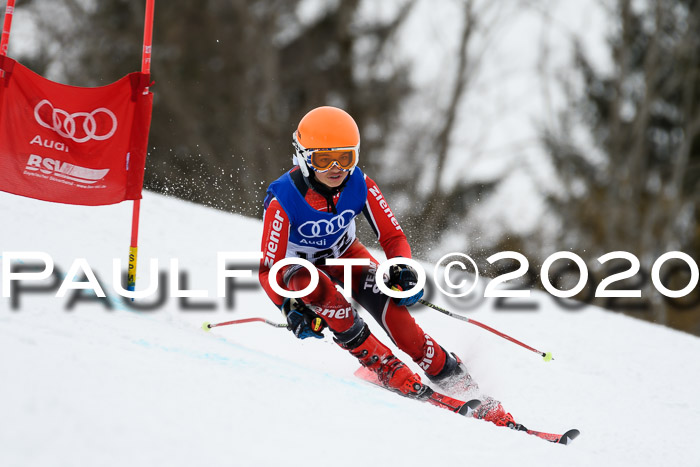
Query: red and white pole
point(207, 326)
point(7, 25)
point(547, 356)
point(147, 37)
point(135, 214)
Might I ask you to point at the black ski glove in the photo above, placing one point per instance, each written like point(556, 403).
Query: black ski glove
point(403, 277)
point(301, 320)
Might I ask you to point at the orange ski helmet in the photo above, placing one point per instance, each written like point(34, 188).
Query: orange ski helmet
point(326, 136)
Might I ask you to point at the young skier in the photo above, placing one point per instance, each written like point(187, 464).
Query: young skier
point(310, 213)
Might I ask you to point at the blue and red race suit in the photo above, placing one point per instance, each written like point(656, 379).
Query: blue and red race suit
point(300, 222)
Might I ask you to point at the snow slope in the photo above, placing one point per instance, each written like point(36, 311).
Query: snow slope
point(99, 387)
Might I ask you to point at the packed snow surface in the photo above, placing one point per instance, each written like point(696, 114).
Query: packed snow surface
point(93, 386)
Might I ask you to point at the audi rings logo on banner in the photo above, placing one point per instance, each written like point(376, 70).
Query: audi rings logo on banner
point(69, 125)
point(322, 228)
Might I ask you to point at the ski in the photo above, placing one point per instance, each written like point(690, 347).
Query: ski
point(467, 409)
point(566, 438)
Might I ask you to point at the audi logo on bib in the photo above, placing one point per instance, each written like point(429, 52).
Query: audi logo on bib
point(323, 227)
point(100, 124)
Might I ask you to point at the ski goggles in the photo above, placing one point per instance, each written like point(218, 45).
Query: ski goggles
point(323, 159)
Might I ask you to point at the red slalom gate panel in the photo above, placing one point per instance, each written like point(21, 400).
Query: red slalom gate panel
point(71, 144)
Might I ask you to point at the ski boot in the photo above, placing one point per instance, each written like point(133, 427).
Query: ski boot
point(391, 372)
point(454, 379)
point(492, 411)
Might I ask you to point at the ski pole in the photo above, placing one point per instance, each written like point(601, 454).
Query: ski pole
point(207, 326)
point(547, 356)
